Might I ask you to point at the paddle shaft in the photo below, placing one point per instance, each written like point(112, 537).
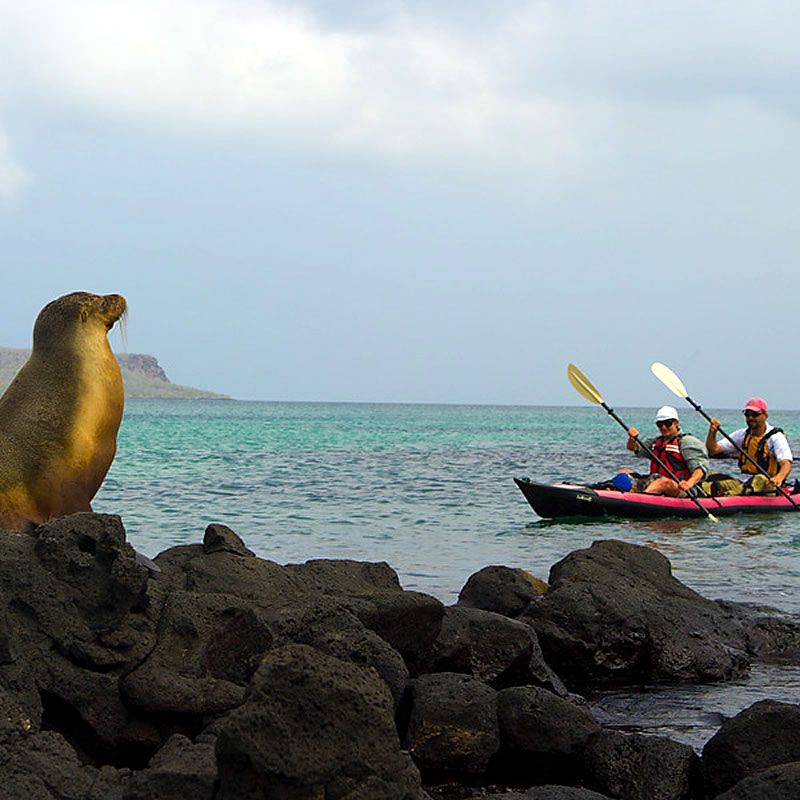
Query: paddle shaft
point(758, 466)
point(654, 457)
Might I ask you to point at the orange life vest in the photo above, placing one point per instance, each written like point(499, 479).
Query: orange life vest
point(756, 448)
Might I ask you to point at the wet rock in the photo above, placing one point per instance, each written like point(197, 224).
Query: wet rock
point(770, 635)
point(452, 727)
point(562, 793)
point(77, 614)
point(493, 648)
point(43, 765)
point(335, 630)
point(180, 770)
point(501, 793)
point(615, 613)
point(763, 735)
point(550, 793)
point(502, 590)
point(109, 784)
point(409, 621)
point(226, 675)
point(221, 539)
point(542, 736)
point(313, 726)
point(257, 581)
point(208, 647)
point(781, 782)
point(95, 566)
point(639, 767)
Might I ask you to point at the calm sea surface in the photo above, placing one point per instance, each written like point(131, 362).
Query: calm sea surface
point(429, 490)
point(426, 488)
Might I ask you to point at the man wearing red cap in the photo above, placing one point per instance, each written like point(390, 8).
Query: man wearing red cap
point(764, 443)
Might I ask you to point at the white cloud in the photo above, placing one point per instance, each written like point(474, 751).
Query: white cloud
point(13, 176)
point(553, 87)
point(265, 69)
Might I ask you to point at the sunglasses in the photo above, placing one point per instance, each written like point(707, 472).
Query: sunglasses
point(665, 423)
point(753, 413)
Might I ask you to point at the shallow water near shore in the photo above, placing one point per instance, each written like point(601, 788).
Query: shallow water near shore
point(428, 489)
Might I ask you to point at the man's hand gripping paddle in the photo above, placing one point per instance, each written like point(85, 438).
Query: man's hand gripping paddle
point(585, 388)
point(674, 384)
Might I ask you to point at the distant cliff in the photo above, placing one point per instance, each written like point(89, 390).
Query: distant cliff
point(142, 375)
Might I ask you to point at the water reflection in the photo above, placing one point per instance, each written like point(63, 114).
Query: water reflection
point(692, 714)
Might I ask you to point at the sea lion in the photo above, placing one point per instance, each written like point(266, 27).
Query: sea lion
point(60, 415)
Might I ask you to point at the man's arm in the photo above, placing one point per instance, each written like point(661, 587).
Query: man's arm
point(695, 458)
point(781, 451)
point(712, 445)
point(692, 480)
point(783, 472)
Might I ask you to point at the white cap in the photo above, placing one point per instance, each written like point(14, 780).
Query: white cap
point(666, 412)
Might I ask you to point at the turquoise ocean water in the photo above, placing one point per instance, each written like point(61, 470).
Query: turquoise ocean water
point(426, 488)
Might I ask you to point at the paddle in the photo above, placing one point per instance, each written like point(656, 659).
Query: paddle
point(584, 387)
point(674, 383)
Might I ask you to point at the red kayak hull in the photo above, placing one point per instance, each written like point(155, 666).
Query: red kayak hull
point(573, 500)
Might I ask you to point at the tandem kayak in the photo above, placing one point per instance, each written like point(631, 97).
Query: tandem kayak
point(572, 500)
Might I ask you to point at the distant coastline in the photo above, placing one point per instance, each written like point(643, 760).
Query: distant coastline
point(142, 375)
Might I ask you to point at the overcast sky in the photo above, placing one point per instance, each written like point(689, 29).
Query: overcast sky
point(413, 201)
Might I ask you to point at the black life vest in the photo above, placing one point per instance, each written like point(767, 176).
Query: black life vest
point(669, 451)
point(756, 448)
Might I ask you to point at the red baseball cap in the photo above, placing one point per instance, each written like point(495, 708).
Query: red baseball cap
point(755, 404)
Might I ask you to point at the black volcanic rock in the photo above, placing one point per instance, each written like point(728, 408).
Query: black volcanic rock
point(502, 590)
point(542, 736)
point(453, 728)
point(226, 675)
point(764, 735)
point(639, 767)
point(498, 650)
point(313, 726)
point(781, 782)
point(615, 613)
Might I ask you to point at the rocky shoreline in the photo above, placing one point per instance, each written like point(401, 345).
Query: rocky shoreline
point(142, 376)
point(217, 675)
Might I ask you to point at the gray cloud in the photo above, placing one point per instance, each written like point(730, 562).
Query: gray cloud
point(553, 88)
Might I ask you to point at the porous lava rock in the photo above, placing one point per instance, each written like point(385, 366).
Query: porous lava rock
point(781, 782)
point(503, 590)
point(542, 736)
point(615, 613)
point(764, 735)
point(452, 727)
point(220, 674)
point(313, 726)
point(494, 648)
point(639, 767)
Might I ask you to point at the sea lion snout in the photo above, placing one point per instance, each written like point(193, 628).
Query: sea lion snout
point(112, 307)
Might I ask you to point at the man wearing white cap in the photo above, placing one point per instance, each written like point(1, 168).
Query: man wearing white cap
point(764, 443)
point(681, 452)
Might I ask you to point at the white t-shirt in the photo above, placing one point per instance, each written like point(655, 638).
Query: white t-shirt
point(777, 445)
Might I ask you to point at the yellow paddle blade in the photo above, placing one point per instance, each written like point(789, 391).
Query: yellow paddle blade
point(583, 385)
point(669, 379)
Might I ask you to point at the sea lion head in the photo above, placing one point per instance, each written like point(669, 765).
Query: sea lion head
point(76, 315)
